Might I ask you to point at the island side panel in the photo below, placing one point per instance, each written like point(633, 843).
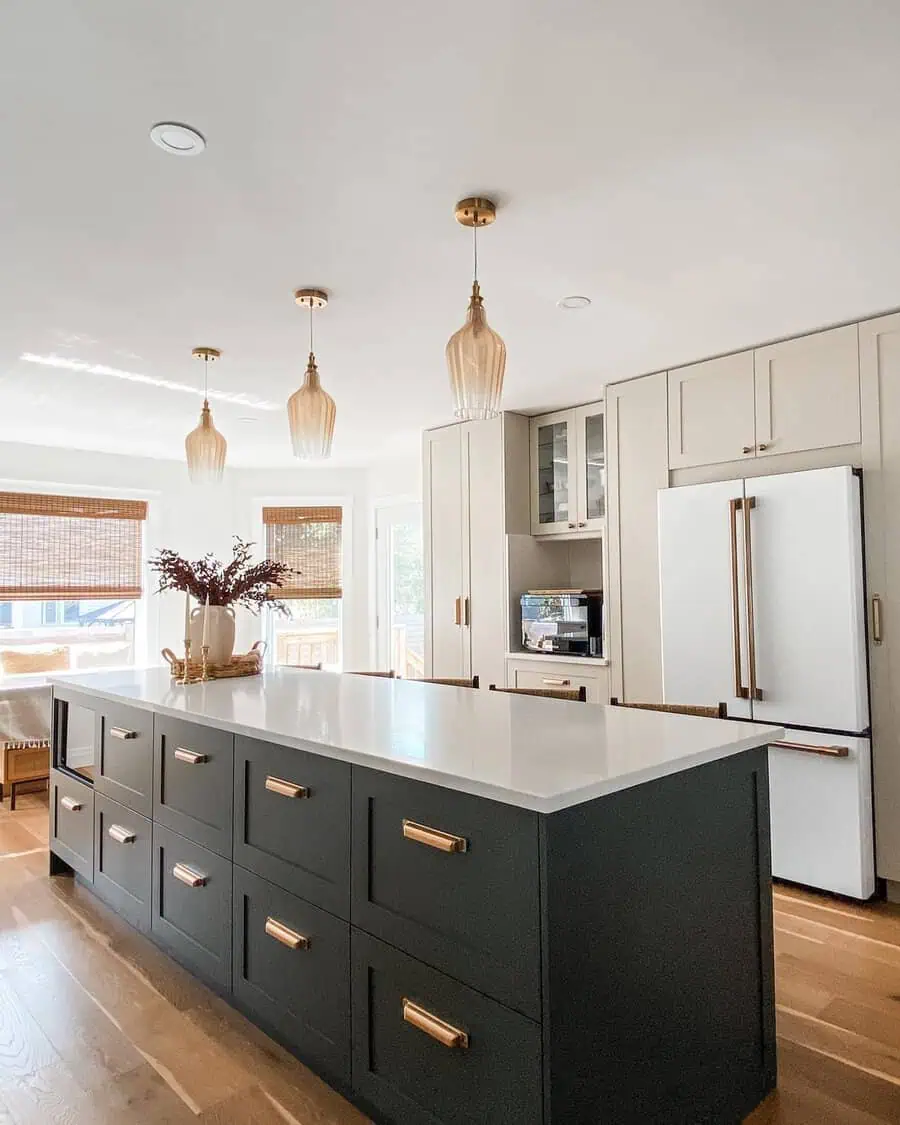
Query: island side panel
point(657, 951)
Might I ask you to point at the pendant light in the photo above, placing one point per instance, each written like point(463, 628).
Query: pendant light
point(476, 355)
point(311, 410)
point(205, 447)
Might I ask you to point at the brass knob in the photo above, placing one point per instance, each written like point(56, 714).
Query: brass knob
point(762, 447)
point(571, 525)
point(747, 449)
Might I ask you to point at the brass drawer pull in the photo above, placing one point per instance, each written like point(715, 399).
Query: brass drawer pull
point(71, 804)
point(122, 733)
point(285, 788)
point(809, 748)
point(439, 1030)
point(190, 756)
point(433, 837)
point(188, 875)
point(121, 835)
point(280, 932)
point(556, 683)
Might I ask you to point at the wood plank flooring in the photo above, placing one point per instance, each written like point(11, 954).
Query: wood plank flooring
point(98, 1027)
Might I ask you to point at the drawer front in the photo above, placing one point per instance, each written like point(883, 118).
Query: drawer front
point(72, 822)
point(472, 913)
point(596, 687)
point(192, 782)
point(405, 1063)
point(192, 922)
point(292, 969)
point(292, 821)
point(123, 855)
point(125, 769)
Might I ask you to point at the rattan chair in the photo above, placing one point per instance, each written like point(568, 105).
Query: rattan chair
point(450, 681)
point(720, 711)
point(392, 675)
point(573, 695)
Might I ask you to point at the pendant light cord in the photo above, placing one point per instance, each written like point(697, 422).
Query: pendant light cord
point(206, 379)
point(311, 326)
point(475, 244)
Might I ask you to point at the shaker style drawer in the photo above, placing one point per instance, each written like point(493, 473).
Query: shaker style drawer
point(190, 911)
point(72, 822)
point(292, 969)
point(292, 821)
point(192, 781)
point(125, 768)
point(427, 1050)
point(565, 676)
point(122, 860)
point(451, 879)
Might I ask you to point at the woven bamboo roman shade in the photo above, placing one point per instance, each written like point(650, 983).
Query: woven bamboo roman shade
point(74, 547)
point(308, 540)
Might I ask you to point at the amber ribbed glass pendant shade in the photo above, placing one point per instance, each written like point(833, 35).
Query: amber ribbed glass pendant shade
point(205, 447)
point(476, 355)
point(311, 410)
point(311, 414)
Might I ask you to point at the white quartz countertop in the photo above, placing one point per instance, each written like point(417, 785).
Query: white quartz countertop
point(540, 754)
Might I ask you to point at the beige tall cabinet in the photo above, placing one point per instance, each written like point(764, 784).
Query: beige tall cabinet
point(638, 467)
point(469, 502)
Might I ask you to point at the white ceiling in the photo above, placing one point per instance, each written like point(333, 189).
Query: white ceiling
point(712, 173)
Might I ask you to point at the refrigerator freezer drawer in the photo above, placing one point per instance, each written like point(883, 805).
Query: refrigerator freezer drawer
point(821, 809)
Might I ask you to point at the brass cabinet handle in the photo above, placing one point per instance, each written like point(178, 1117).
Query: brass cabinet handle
point(747, 449)
point(808, 748)
point(877, 634)
point(433, 837)
point(121, 835)
point(285, 788)
point(734, 506)
point(763, 446)
point(748, 505)
point(457, 612)
point(188, 875)
point(190, 756)
point(467, 612)
point(550, 682)
point(439, 1030)
point(280, 932)
point(122, 733)
point(71, 804)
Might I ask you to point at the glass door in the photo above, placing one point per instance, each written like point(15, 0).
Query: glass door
point(74, 739)
point(400, 594)
point(591, 467)
point(553, 481)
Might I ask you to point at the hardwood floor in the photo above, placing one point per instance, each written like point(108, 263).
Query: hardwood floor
point(97, 1027)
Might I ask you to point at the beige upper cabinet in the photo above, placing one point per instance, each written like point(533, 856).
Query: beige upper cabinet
point(568, 472)
point(807, 393)
point(711, 412)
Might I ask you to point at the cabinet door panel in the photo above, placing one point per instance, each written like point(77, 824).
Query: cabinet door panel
point(125, 769)
point(553, 474)
point(484, 619)
point(711, 412)
point(193, 771)
point(445, 546)
point(591, 467)
point(72, 822)
point(807, 393)
point(123, 860)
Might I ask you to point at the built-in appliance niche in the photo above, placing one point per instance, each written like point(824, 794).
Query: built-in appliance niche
point(541, 564)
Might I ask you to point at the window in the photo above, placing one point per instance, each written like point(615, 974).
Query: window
point(309, 540)
point(400, 596)
point(70, 574)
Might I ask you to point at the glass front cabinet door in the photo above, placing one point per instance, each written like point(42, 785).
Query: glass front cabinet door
point(568, 471)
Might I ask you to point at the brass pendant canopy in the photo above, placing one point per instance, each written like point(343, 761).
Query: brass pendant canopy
point(204, 446)
point(311, 410)
point(476, 355)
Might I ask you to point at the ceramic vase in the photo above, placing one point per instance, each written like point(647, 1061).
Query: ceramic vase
point(220, 633)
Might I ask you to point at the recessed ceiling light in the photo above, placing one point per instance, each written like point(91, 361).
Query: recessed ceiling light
point(180, 140)
point(573, 302)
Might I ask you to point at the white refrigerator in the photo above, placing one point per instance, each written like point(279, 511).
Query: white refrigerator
point(763, 608)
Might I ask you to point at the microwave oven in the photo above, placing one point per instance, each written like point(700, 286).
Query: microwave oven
point(563, 622)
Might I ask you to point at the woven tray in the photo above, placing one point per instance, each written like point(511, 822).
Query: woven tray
point(244, 664)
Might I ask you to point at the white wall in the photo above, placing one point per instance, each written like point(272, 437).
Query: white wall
point(194, 520)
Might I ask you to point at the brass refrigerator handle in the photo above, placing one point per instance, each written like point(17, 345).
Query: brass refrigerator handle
point(434, 837)
point(439, 1030)
point(467, 612)
point(734, 506)
point(877, 633)
point(457, 612)
point(280, 932)
point(809, 748)
point(748, 505)
point(285, 788)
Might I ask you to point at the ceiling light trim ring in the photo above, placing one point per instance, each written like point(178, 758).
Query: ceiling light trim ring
point(165, 132)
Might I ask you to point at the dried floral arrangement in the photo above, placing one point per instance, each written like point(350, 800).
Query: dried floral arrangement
point(238, 582)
